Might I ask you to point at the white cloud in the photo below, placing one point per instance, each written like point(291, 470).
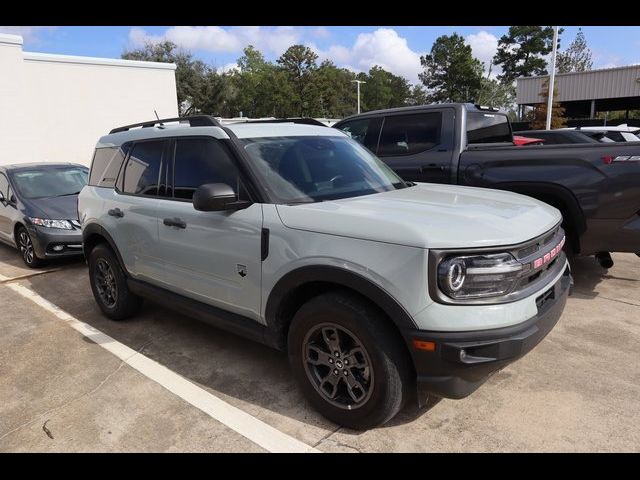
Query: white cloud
point(217, 39)
point(383, 47)
point(28, 34)
point(321, 32)
point(227, 68)
point(484, 46)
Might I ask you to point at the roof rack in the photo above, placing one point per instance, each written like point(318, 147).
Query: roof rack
point(194, 121)
point(300, 120)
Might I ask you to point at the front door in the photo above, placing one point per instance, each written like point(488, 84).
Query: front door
point(213, 257)
point(6, 210)
point(418, 146)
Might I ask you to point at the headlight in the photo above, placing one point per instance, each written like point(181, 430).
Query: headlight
point(45, 222)
point(478, 276)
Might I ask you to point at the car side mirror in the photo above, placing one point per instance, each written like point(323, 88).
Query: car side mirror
point(215, 197)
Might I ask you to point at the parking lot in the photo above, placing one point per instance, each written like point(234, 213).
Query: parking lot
point(71, 380)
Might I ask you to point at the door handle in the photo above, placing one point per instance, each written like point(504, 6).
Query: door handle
point(116, 212)
point(432, 167)
point(175, 222)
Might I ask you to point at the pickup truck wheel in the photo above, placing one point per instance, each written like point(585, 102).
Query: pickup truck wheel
point(109, 285)
point(350, 364)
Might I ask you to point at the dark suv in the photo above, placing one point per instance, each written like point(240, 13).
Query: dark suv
point(39, 209)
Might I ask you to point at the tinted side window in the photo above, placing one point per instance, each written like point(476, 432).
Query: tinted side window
point(4, 186)
point(408, 134)
point(142, 172)
point(364, 131)
point(105, 167)
point(488, 128)
point(199, 161)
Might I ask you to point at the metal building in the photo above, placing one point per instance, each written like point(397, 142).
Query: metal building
point(583, 94)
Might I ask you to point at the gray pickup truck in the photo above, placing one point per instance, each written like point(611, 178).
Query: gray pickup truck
point(595, 186)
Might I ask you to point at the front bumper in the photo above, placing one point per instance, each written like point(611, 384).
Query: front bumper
point(462, 361)
point(45, 240)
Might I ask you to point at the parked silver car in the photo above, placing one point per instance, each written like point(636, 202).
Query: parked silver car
point(299, 237)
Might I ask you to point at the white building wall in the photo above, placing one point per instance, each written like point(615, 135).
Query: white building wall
point(55, 107)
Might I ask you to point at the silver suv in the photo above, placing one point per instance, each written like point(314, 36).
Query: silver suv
point(298, 237)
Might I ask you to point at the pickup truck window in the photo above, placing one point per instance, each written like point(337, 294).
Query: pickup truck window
point(488, 128)
point(409, 134)
point(364, 131)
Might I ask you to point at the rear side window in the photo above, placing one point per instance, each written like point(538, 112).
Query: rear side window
point(142, 172)
point(364, 131)
point(105, 166)
point(488, 128)
point(409, 134)
point(199, 161)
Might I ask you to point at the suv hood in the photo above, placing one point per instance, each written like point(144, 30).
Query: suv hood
point(429, 216)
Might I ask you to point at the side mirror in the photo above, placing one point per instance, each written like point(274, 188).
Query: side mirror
point(215, 197)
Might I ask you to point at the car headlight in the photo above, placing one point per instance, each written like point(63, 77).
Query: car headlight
point(45, 222)
point(478, 276)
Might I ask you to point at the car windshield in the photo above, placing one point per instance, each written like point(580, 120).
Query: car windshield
point(50, 182)
point(312, 169)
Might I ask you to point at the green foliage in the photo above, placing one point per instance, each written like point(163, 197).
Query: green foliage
point(576, 58)
point(539, 120)
point(299, 63)
point(495, 94)
point(451, 73)
point(521, 52)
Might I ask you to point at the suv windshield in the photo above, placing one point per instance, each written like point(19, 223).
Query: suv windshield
point(312, 169)
point(50, 182)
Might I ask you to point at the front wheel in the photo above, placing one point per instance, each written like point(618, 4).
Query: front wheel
point(27, 252)
point(350, 363)
point(109, 285)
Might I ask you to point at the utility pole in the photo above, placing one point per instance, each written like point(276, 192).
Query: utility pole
point(358, 82)
point(552, 76)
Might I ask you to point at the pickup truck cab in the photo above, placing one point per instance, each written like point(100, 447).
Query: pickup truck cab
point(596, 186)
point(298, 237)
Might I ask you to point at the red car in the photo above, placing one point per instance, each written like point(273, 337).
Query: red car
point(521, 141)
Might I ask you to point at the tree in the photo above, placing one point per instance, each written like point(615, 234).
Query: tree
point(382, 89)
point(522, 50)
point(577, 57)
point(418, 96)
point(451, 73)
point(299, 62)
point(336, 95)
point(539, 121)
point(495, 94)
point(190, 73)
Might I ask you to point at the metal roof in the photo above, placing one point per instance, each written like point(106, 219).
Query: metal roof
point(605, 83)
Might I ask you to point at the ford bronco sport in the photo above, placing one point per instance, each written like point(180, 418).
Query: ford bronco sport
point(298, 237)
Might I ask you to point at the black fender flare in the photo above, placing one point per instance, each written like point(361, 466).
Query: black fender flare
point(95, 229)
point(335, 276)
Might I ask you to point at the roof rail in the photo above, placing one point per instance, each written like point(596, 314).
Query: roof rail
point(300, 120)
point(194, 121)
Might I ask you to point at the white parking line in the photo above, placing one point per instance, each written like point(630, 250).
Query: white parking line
point(256, 430)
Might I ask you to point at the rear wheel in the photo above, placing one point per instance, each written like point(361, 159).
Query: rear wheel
point(348, 360)
point(27, 252)
point(109, 285)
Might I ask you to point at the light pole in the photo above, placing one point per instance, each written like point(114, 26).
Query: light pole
point(358, 82)
point(552, 77)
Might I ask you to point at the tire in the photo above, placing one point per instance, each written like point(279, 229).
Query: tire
point(367, 338)
point(25, 247)
point(109, 285)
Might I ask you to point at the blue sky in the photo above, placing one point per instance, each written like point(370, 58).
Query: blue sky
point(396, 48)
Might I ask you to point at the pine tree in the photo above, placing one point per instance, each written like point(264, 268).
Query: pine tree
point(577, 57)
point(558, 120)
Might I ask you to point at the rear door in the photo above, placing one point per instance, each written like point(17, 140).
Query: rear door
point(130, 215)
point(212, 257)
point(419, 146)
